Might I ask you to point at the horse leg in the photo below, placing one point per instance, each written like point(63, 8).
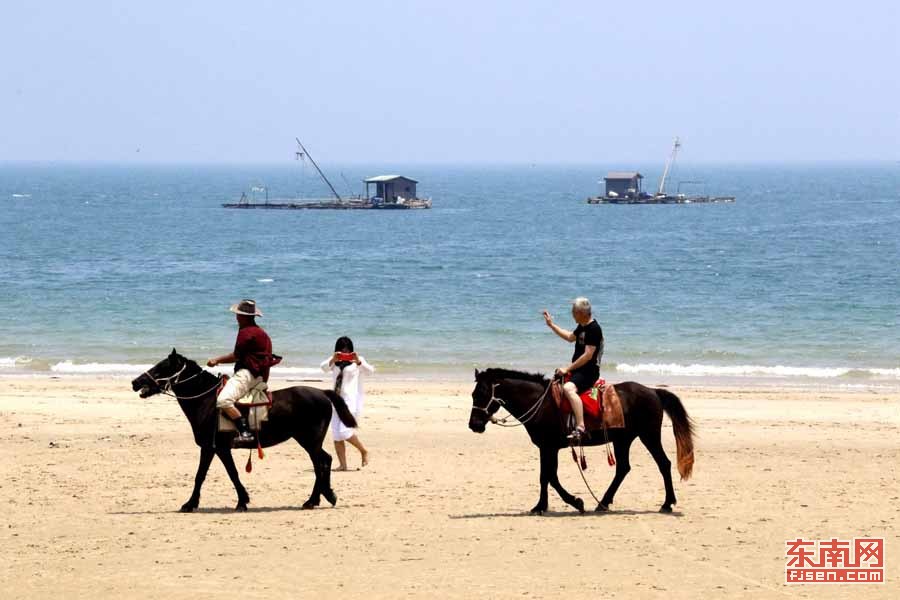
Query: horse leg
point(227, 459)
point(621, 448)
point(541, 507)
point(654, 444)
point(315, 495)
point(206, 456)
point(325, 482)
point(552, 466)
point(321, 461)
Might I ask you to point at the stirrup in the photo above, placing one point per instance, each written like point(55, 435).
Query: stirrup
point(577, 435)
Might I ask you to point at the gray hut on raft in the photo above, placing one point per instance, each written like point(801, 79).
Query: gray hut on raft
point(391, 188)
point(623, 184)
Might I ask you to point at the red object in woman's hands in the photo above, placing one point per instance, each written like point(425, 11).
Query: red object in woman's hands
point(346, 356)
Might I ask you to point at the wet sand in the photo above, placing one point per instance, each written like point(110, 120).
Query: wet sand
point(92, 477)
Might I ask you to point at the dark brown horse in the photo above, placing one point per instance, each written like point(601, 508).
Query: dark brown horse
point(301, 413)
point(526, 397)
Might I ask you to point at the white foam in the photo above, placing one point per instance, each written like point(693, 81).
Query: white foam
point(307, 371)
point(68, 367)
point(266, 280)
point(21, 195)
point(275, 371)
point(886, 372)
point(696, 370)
point(13, 362)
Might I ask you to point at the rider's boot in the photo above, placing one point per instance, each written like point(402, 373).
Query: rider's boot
point(244, 433)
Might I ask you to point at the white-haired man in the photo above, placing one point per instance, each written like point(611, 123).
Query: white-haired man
point(584, 370)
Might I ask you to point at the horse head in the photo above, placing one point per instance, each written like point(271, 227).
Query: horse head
point(520, 393)
point(482, 406)
point(158, 378)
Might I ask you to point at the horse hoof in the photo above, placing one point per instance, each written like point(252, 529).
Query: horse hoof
point(666, 508)
point(188, 507)
point(538, 510)
point(331, 497)
point(308, 505)
point(579, 505)
point(602, 508)
point(240, 508)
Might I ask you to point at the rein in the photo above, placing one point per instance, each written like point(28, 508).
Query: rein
point(168, 387)
point(582, 465)
point(527, 416)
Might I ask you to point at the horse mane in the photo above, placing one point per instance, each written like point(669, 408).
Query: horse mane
point(498, 373)
point(188, 362)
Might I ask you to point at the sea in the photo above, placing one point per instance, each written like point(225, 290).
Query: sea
point(107, 267)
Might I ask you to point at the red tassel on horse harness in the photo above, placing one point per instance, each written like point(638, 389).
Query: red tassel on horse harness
point(249, 466)
point(583, 462)
point(259, 451)
point(609, 456)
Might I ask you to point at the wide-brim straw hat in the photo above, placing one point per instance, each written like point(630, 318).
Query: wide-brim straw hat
point(247, 308)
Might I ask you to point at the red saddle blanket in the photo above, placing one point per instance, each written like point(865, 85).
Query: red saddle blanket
point(605, 409)
point(592, 405)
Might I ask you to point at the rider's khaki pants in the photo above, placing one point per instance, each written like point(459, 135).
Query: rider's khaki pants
point(238, 386)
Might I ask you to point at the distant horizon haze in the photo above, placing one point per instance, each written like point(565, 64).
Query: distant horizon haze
point(464, 83)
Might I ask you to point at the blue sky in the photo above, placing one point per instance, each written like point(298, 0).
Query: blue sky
point(458, 81)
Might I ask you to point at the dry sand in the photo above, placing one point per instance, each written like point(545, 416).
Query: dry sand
point(92, 476)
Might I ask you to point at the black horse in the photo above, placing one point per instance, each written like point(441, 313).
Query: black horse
point(527, 398)
point(299, 412)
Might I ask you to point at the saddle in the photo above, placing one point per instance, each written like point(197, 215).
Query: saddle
point(255, 406)
point(602, 405)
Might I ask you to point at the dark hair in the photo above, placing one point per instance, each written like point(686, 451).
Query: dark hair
point(343, 344)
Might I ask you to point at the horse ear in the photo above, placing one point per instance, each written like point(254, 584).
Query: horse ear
point(173, 352)
point(477, 373)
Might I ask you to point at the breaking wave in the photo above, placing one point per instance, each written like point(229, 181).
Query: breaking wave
point(68, 367)
point(20, 364)
point(698, 370)
point(12, 363)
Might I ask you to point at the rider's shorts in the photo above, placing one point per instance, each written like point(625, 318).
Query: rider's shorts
point(583, 380)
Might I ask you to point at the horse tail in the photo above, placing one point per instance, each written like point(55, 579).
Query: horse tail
point(340, 407)
point(684, 431)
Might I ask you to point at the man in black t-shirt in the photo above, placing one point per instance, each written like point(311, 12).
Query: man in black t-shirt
point(584, 370)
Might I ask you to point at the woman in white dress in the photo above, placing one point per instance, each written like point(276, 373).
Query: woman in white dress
point(347, 369)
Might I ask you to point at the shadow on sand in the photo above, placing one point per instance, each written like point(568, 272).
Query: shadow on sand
point(229, 510)
point(569, 513)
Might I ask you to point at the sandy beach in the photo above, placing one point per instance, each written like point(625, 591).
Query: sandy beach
point(92, 478)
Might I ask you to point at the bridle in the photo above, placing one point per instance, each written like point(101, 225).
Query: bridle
point(166, 385)
point(532, 412)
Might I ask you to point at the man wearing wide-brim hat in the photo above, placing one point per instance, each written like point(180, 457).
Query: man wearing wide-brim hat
point(253, 358)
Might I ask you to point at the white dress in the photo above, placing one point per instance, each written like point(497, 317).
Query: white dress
point(351, 391)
